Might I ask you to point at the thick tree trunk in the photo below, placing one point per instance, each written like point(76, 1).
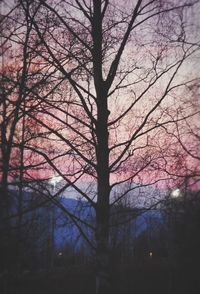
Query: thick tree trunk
point(103, 272)
point(102, 243)
point(102, 261)
point(102, 208)
point(102, 155)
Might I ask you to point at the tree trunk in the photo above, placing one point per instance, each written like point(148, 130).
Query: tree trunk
point(102, 207)
point(103, 194)
point(103, 273)
point(102, 251)
point(4, 197)
point(102, 155)
point(4, 219)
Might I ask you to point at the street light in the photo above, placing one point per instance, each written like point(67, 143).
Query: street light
point(54, 181)
point(176, 193)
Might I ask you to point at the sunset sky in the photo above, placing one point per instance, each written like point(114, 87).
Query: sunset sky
point(59, 135)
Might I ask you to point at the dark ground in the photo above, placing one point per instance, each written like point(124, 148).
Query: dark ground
point(146, 279)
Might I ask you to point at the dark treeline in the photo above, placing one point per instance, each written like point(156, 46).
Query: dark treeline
point(159, 246)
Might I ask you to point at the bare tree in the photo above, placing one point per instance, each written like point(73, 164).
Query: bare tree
point(111, 71)
point(16, 70)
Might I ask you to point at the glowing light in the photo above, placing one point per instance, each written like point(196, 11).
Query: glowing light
point(176, 193)
point(150, 254)
point(60, 254)
point(55, 180)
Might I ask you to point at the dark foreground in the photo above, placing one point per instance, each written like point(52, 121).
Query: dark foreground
point(145, 279)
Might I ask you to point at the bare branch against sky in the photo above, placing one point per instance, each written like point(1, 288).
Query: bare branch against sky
point(100, 94)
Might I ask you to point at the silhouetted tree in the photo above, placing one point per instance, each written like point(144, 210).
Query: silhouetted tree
point(112, 71)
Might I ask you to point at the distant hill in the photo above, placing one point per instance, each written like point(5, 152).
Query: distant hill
point(66, 231)
point(56, 222)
